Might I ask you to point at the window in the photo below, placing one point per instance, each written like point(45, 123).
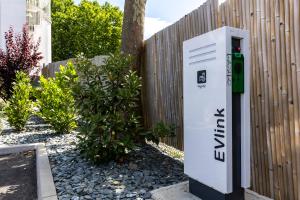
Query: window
point(33, 18)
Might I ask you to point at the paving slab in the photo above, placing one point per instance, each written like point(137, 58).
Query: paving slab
point(18, 176)
point(250, 195)
point(44, 179)
point(181, 192)
point(178, 191)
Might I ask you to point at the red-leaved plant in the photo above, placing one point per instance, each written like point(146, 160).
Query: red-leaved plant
point(21, 55)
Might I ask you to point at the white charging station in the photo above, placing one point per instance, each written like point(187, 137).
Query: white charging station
point(217, 113)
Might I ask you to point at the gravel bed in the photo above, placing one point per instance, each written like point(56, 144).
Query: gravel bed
point(75, 178)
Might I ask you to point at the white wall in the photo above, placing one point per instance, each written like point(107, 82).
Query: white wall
point(12, 13)
point(43, 31)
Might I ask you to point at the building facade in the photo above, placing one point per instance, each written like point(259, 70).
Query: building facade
point(36, 13)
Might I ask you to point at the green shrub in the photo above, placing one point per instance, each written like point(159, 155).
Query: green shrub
point(55, 99)
point(160, 130)
point(20, 106)
point(2, 105)
point(2, 113)
point(107, 98)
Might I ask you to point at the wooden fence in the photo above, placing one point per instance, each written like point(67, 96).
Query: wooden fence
point(274, 27)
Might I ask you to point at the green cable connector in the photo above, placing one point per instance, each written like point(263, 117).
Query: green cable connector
point(237, 73)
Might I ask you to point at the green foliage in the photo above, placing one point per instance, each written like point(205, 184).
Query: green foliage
point(2, 112)
point(20, 106)
point(61, 5)
point(88, 28)
point(160, 130)
point(107, 99)
point(2, 106)
point(55, 99)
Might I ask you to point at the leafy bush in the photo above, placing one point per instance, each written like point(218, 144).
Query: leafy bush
point(55, 99)
point(3, 105)
point(21, 54)
point(160, 130)
point(20, 106)
point(107, 98)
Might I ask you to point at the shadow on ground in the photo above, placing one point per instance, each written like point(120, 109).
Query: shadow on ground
point(18, 176)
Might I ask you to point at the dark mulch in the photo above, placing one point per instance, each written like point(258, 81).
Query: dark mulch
point(18, 176)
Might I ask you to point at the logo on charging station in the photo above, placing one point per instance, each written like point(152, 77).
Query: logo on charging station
point(201, 78)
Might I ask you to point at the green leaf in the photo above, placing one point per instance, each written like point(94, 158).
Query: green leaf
point(55, 99)
point(20, 106)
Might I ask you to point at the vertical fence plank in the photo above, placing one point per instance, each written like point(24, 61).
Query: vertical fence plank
point(266, 109)
point(294, 102)
point(296, 17)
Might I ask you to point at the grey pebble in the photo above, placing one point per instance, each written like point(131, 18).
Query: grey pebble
point(77, 179)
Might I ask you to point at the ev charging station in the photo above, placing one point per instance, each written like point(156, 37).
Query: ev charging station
point(216, 88)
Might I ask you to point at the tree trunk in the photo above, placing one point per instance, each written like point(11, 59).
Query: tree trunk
point(133, 31)
point(133, 39)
